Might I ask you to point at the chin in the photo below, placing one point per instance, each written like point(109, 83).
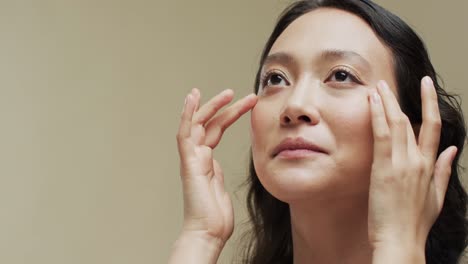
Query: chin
point(289, 184)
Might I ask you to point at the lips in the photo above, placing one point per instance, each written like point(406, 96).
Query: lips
point(292, 144)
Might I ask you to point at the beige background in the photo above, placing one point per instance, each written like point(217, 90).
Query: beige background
point(90, 97)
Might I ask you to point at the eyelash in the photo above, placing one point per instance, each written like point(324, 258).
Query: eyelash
point(350, 73)
point(265, 77)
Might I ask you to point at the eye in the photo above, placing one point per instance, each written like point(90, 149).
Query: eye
point(273, 79)
point(343, 75)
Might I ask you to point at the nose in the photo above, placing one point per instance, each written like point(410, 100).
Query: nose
point(300, 108)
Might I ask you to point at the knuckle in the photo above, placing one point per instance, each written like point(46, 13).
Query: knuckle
point(436, 122)
point(223, 126)
point(433, 121)
point(398, 121)
point(399, 170)
point(238, 114)
point(382, 136)
point(386, 154)
point(417, 166)
point(406, 120)
point(216, 127)
point(389, 178)
point(196, 117)
point(180, 138)
point(214, 108)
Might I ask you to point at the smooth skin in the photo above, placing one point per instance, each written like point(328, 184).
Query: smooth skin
point(208, 213)
point(315, 85)
point(408, 181)
point(411, 204)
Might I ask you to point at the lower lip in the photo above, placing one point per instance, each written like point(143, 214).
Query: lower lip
point(297, 154)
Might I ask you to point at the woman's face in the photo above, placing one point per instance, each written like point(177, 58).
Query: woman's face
point(314, 92)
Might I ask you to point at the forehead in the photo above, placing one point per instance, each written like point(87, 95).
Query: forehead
point(332, 29)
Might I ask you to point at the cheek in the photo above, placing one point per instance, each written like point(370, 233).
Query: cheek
point(353, 134)
point(350, 119)
point(352, 124)
point(262, 123)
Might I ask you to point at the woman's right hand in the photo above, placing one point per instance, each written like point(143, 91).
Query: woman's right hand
point(207, 207)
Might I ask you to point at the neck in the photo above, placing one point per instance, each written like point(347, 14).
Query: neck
point(331, 231)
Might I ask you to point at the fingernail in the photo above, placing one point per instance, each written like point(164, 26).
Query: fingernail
point(185, 103)
point(428, 81)
point(375, 97)
point(384, 86)
point(252, 95)
point(455, 151)
point(227, 91)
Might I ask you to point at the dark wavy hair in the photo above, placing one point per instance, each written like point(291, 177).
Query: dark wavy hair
point(270, 239)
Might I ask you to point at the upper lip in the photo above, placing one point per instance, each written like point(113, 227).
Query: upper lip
point(296, 143)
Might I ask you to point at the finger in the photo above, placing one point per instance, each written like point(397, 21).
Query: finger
point(412, 143)
point(185, 126)
point(198, 131)
point(196, 94)
point(380, 129)
point(396, 120)
point(216, 127)
point(429, 136)
point(186, 118)
point(208, 110)
point(442, 172)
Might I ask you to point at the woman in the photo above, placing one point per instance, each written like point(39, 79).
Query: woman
point(355, 148)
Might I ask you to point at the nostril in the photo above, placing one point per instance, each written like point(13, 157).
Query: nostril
point(287, 120)
point(305, 118)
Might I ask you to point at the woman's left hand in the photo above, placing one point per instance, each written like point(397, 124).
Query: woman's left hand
point(408, 181)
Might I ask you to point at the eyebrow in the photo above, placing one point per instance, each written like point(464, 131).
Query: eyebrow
point(326, 55)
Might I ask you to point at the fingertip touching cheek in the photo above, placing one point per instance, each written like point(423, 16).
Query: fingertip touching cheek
point(310, 129)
